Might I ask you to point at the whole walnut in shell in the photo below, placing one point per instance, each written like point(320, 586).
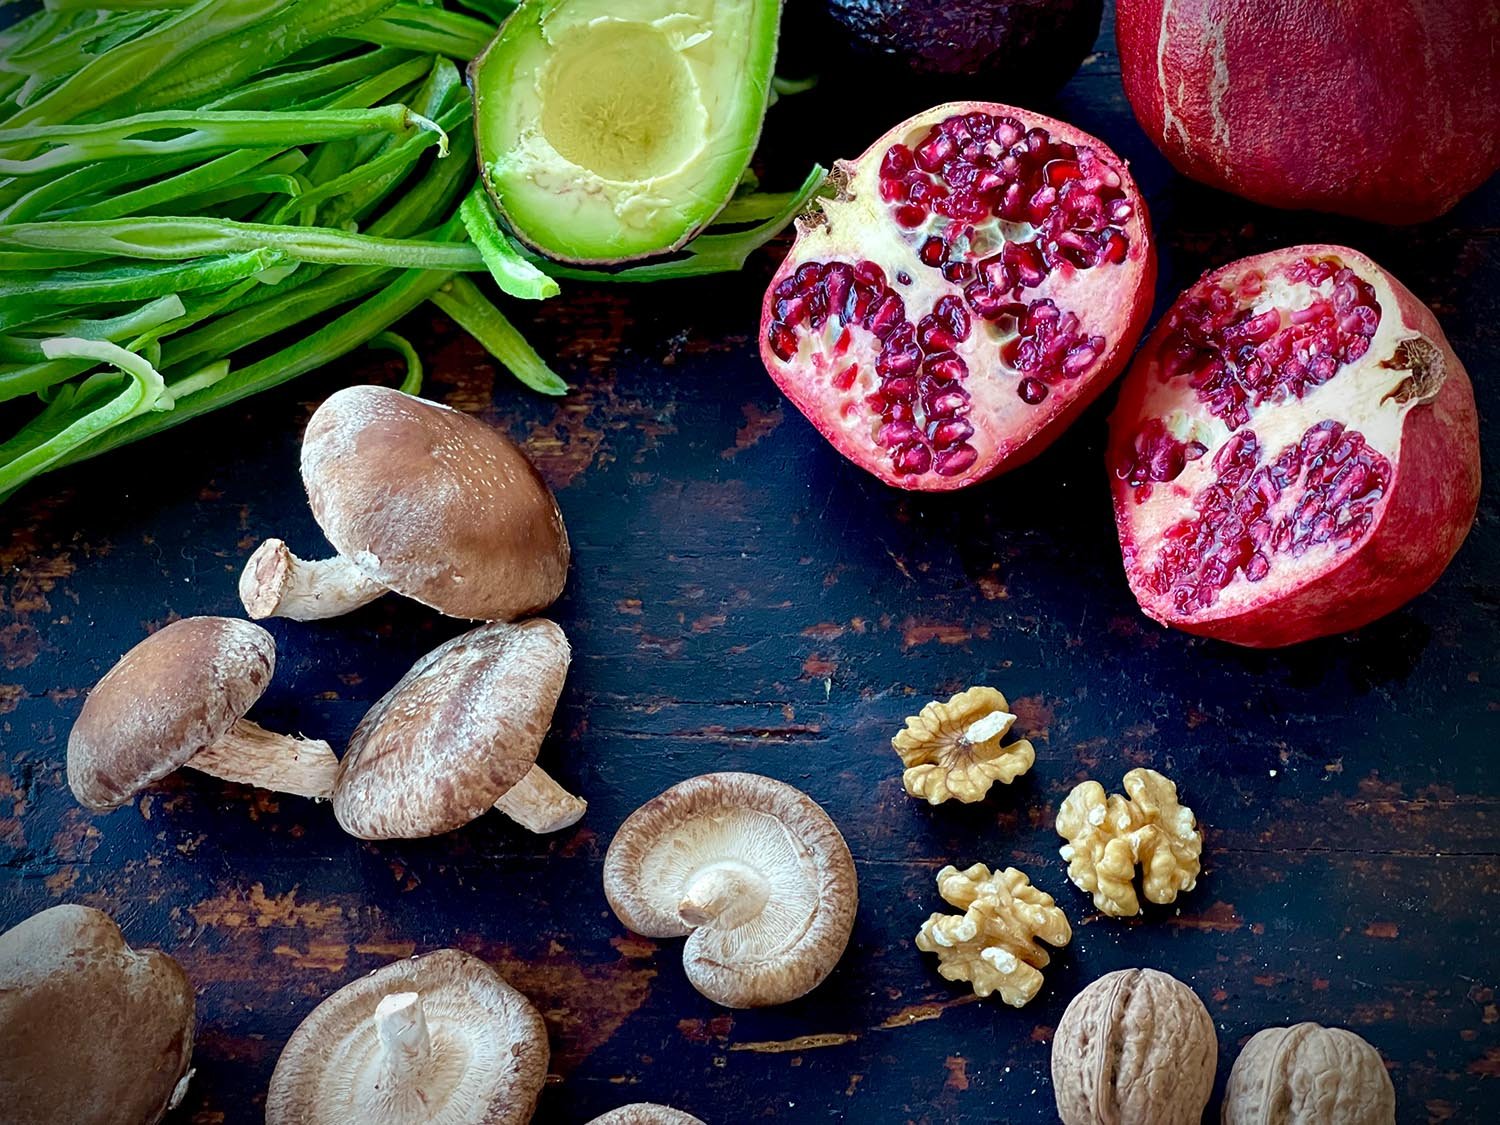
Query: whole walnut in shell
point(1136, 1047)
point(1309, 1075)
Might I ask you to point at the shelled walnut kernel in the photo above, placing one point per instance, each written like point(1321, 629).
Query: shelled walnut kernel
point(993, 944)
point(953, 749)
point(1108, 836)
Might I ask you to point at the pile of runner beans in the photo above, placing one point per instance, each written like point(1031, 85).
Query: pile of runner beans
point(228, 194)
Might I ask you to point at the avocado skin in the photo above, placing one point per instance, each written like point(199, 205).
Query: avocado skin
point(1021, 47)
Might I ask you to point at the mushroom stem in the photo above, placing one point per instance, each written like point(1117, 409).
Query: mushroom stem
point(401, 1026)
point(539, 804)
point(252, 755)
point(727, 892)
point(276, 583)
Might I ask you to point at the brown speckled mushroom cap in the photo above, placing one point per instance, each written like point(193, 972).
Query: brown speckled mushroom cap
point(645, 1113)
point(434, 1040)
point(755, 874)
point(434, 504)
point(90, 1029)
point(167, 698)
point(455, 734)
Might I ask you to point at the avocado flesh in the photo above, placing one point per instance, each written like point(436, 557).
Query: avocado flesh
point(605, 137)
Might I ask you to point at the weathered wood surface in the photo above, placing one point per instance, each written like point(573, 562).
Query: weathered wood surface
point(742, 598)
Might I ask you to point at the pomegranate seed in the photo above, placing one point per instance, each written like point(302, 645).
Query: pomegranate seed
point(1059, 172)
point(951, 432)
point(897, 162)
point(947, 404)
point(950, 311)
point(837, 282)
point(844, 379)
point(901, 360)
point(890, 312)
point(933, 251)
point(893, 434)
point(898, 387)
point(807, 276)
point(783, 342)
point(952, 462)
point(981, 125)
point(957, 273)
point(936, 151)
point(911, 215)
point(912, 458)
point(870, 274)
point(945, 367)
point(935, 337)
point(1032, 391)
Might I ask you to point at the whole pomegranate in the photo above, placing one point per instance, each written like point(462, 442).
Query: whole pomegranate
point(979, 276)
point(1295, 451)
point(1387, 111)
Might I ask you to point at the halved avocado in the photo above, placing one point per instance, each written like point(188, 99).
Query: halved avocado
point(605, 136)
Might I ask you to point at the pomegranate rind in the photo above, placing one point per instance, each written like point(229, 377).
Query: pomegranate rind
point(855, 224)
point(1330, 111)
point(1419, 523)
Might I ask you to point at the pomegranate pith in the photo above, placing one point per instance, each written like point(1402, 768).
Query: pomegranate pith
point(1295, 451)
point(980, 276)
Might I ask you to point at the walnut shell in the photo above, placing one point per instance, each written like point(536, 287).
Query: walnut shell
point(1136, 1047)
point(1309, 1075)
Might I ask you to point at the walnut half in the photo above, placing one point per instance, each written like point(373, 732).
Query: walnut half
point(953, 749)
point(993, 943)
point(1309, 1075)
point(1109, 835)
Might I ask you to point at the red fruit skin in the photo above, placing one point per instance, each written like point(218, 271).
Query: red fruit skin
point(1387, 111)
point(1112, 363)
point(1431, 506)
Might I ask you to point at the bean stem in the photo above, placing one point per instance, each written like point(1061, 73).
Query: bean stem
point(476, 315)
point(199, 130)
point(167, 238)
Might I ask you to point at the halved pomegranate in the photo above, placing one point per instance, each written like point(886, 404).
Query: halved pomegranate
point(981, 274)
point(1295, 451)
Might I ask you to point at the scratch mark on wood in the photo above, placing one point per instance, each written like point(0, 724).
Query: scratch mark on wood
point(958, 1075)
point(800, 1043)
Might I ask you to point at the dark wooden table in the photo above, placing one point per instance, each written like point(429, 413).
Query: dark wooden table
point(741, 598)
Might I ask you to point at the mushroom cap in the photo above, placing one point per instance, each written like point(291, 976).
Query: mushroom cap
point(462, 727)
point(781, 833)
point(167, 698)
point(434, 504)
point(90, 1029)
point(645, 1113)
point(488, 1062)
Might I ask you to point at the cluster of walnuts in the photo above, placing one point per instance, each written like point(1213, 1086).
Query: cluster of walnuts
point(1137, 1046)
point(956, 750)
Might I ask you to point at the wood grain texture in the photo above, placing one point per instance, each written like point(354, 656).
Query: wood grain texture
point(741, 598)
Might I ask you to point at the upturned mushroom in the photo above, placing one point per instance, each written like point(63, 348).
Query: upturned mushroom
point(179, 699)
point(92, 1032)
point(458, 735)
point(434, 1040)
point(752, 871)
point(646, 1113)
point(418, 498)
